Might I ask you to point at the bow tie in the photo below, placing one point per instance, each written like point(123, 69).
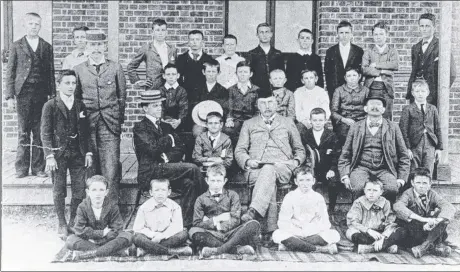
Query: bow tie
point(374, 124)
point(171, 89)
point(195, 56)
point(80, 54)
point(375, 208)
point(227, 58)
point(160, 206)
point(268, 122)
point(216, 195)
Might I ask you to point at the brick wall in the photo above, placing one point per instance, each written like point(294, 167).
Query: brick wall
point(454, 111)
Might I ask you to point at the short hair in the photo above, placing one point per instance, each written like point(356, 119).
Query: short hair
point(215, 114)
point(216, 169)
point(263, 25)
point(308, 71)
point(64, 73)
point(158, 22)
point(352, 68)
point(244, 63)
point(344, 24)
point(420, 83)
point(277, 71)
point(230, 36)
point(79, 28)
point(196, 31)
point(169, 66)
point(428, 16)
point(305, 30)
point(318, 111)
point(211, 63)
point(33, 14)
point(375, 182)
point(381, 25)
point(96, 178)
point(302, 170)
point(420, 172)
point(159, 181)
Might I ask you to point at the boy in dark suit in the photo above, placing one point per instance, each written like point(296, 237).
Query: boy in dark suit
point(99, 226)
point(304, 59)
point(341, 56)
point(421, 129)
point(65, 133)
point(30, 79)
point(425, 59)
point(217, 228)
point(325, 145)
point(423, 217)
point(156, 55)
point(264, 58)
point(101, 85)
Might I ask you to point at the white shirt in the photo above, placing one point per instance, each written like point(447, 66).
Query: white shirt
point(97, 212)
point(33, 42)
point(93, 62)
point(303, 52)
point(425, 46)
point(344, 52)
point(175, 85)
point(210, 86)
point(269, 119)
point(317, 135)
point(306, 100)
point(380, 49)
point(244, 88)
point(213, 138)
point(73, 59)
point(68, 100)
point(162, 50)
point(374, 130)
point(227, 76)
point(199, 54)
point(265, 48)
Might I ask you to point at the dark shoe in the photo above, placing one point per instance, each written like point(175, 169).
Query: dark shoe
point(442, 250)
point(40, 174)
point(82, 255)
point(421, 250)
point(22, 175)
point(251, 214)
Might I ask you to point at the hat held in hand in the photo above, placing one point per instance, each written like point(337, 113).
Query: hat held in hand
point(201, 110)
point(376, 91)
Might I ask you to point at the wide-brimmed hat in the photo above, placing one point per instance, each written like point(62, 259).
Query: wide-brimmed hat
point(95, 35)
point(201, 110)
point(376, 91)
point(151, 96)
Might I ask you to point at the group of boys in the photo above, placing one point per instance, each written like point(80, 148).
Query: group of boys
point(85, 120)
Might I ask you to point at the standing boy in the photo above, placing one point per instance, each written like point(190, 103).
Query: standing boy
point(303, 59)
point(228, 61)
point(79, 54)
point(30, 79)
point(217, 228)
point(101, 84)
point(158, 225)
point(421, 129)
point(156, 55)
point(284, 97)
point(379, 63)
point(341, 56)
point(425, 59)
point(264, 58)
point(65, 135)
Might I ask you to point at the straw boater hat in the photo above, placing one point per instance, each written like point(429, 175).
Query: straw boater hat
point(376, 91)
point(151, 96)
point(95, 35)
point(201, 110)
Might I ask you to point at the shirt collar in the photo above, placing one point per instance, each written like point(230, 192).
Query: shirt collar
point(160, 44)
point(265, 48)
point(419, 106)
point(381, 49)
point(429, 41)
point(270, 119)
point(240, 85)
point(348, 89)
point(222, 192)
point(303, 52)
point(92, 62)
point(68, 100)
point(214, 138)
point(345, 46)
point(32, 39)
point(152, 204)
point(175, 85)
point(368, 121)
point(368, 205)
point(318, 132)
point(210, 86)
point(199, 54)
point(151, 118)
point(75, 53)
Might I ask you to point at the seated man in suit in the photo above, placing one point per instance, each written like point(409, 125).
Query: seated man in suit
point(374, 149)
point(269, 149)
point(159, 152)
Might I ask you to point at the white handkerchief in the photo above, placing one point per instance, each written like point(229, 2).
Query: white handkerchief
point(82, 115)
point(223, 153)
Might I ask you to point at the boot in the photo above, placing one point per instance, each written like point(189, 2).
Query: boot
point(442, 250)
point(421, 250)
point(83, 255)
point(329, 249)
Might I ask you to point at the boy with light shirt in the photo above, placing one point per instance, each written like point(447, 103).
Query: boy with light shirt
point(303, 59)
point(216, 221)
point(158, 225)
point(284, 97)
point(228, 61)
point(370, 221)
point(98, 226)
point(421, 128)
point(65, 134)
point(423, 216)
point(303, 223)
point(380, 62)
point(156, 55)
point(78, 55)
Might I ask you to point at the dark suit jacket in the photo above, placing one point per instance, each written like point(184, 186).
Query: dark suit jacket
point(296, 64)
point(20, 62)
point(191, 74)
point(262, 64)
point(413, 123)
point(55, 127)
point(103, 93)
point(150, 143)
point(334, 69)
point(426, 65)
point(394, 149)
point(328, 141)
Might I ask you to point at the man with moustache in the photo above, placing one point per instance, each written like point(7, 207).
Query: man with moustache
point(374, 149)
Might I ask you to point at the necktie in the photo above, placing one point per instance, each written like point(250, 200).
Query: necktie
point(374, 124)
point(423, 110)
point(423, 199)
point(98, 67)
point(227, 58)
point(212, 141)
point(171, 89)
point(195, 56)
point(157, 123)
point(80, 54)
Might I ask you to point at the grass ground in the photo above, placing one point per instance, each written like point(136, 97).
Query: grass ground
point(29, 242)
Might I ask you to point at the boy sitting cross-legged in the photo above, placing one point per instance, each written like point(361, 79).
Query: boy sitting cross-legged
point(371, 221)
point(303, 221)
point(216, 221)
point(98, 225)
point(158, 226)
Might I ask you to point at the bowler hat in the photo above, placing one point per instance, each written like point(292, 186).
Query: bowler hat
point(201, 110)
point(95, 35)
point(376, 91)
point(151, 96)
